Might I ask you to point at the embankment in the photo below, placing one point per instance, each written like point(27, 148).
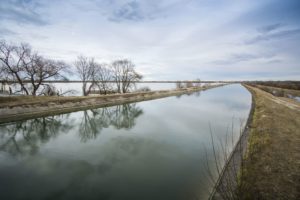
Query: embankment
point(272, 162)
point(31, 108)
point(270, 168)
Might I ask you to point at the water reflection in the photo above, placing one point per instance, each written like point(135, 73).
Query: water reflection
point(121, 116)
point(113, 177)
point(25, 137)
point(196, 94)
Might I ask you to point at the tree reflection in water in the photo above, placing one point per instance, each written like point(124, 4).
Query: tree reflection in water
point(195, 93)
point(25, 137)
point(120, 117)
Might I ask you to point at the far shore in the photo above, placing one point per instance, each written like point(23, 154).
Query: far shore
point(28, 107)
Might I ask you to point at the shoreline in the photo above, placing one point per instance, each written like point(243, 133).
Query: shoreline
point(63, 105)
point(227, 178)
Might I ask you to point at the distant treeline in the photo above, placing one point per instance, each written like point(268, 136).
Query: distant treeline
point(293, 85)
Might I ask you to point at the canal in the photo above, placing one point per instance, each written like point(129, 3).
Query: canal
point(156, 150)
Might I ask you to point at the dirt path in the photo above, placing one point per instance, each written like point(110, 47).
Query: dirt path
point(287, 102)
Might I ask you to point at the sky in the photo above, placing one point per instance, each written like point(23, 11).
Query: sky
point(166, 39)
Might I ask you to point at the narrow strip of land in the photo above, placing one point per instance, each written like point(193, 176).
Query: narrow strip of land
point(270, 168)
point(272, 163)
point(27, 107)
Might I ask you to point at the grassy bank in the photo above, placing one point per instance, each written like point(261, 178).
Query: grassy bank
point(20, 108)
point(272, 162)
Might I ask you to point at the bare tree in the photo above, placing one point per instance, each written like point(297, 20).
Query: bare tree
point(29, 69)
point(3, 75)
point(124, 75)
point(12, 58)
point(39, 69)
point(86, 70)
point(103, 76)
point(117, 73)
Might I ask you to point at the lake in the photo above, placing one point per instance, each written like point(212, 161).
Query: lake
point(152, 150)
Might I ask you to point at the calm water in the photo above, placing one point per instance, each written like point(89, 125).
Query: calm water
point(149, 150)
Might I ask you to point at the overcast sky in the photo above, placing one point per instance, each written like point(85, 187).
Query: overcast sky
point(166, 39)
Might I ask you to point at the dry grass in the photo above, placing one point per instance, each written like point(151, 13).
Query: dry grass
point(272, 169)
point(13, 101)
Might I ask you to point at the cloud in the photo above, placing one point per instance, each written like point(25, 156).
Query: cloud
point(272, 12)
point(166, 39)
point(243, 57)
point(130, 11)
point(6, 32)
point(141, 10)
point(269, 28)
point(271, 36)
point(21, 11)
